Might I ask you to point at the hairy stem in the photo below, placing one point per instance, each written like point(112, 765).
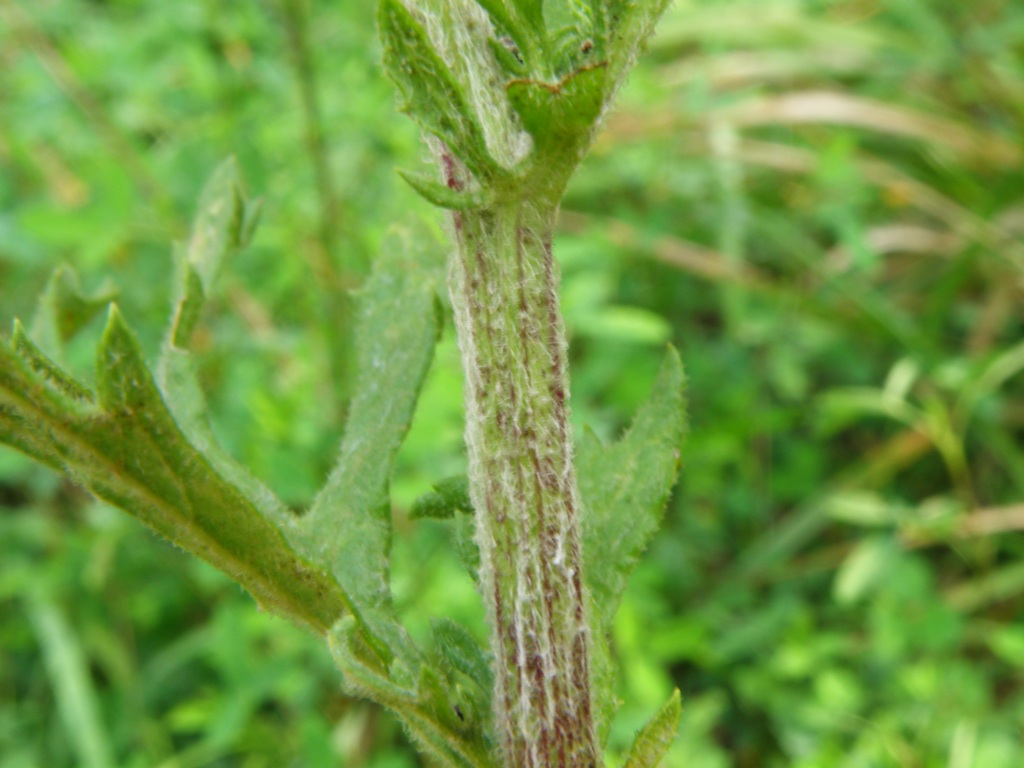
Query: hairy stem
point(504, 288)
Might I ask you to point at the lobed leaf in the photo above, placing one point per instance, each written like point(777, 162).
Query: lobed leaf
point(148, 449)
point(128, 450)
point(224, 223)
point(349, 526)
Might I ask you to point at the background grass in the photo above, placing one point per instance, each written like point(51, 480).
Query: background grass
point(821, 202)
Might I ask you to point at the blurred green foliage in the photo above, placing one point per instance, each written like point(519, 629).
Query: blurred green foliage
point(820, 202)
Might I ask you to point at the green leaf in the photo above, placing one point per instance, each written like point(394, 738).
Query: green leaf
point(442, 195)
point(561, 116)
point(630, 24)
point(129, 451)
point(224, 219)
point(426, 712)
point(450, 496)
point(463, 653)
point(349, 525)
point(47, 368)
point(149, 450)
point(433, 95)
point(531, 13)
point(656, 737)
point(509, 57)
point(625, 487)
point(507, 21)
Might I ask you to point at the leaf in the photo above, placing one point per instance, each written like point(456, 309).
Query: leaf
point(433, 95)
point(450, 496)
point(442, 195)
point(224, 219)
point(463, 653)
point(990, 379)
point(625, 487)
point(656, 737)
point(630, 24)
point(224, 222)
point(863, 508)
point(46, 368)
point(507, 21)
point(509, 57)
point(349, 525)
point(150, 451)
point(561, 116)
point(531, 12)
point(128, 450)
point(424, 712)
point(842, 405)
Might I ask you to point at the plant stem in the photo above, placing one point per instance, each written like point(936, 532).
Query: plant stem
point(504, 289)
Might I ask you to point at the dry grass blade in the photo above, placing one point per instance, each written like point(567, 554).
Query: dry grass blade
point(983, 522)
point(837, 108)
point(686, 255)
point(898, 238)
point(744, 68)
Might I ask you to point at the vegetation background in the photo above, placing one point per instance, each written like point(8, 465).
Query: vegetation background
point(820, 202)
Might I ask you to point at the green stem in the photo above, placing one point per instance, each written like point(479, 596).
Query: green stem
point(504, 288)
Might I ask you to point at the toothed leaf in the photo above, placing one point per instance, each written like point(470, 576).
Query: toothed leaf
point(350, 521)
point(624, 487)
point(129, 451)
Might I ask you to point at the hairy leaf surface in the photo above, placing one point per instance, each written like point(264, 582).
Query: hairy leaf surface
point(349, 525)
point(656, 737)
